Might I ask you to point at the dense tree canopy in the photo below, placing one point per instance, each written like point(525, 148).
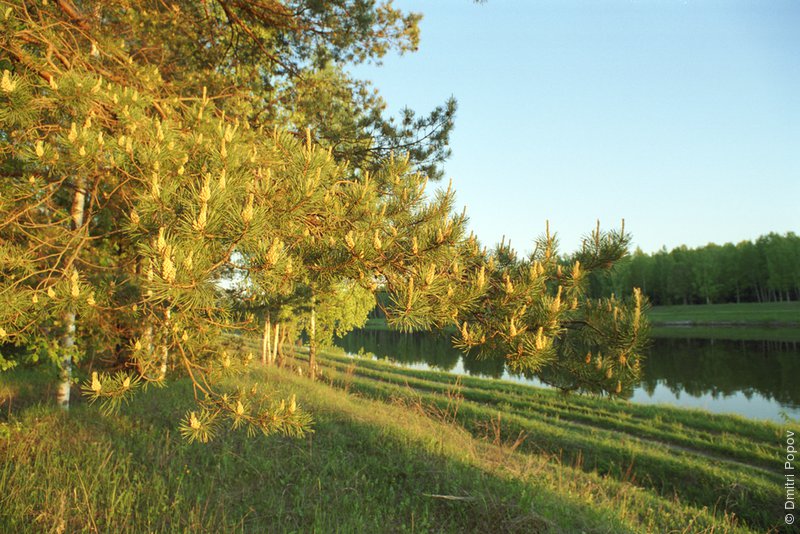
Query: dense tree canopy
point(766, 270)
point(172, 171)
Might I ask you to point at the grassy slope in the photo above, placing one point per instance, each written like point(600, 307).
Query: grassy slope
point(719, 462)
point(372, 465)
point(369, 467)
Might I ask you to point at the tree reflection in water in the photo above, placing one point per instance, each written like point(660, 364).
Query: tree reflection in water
point(684, 365)
point(720, 367)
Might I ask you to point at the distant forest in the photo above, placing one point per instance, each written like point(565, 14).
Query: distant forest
point(767, 270)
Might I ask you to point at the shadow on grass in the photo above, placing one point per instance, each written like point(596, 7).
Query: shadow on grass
point(360, 471)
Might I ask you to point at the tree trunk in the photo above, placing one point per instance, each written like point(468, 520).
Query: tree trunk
point(312, 342)
point(147, 335)
point(265, 342)
point(148, 339)
point(68, 338)
point(284, 340)
point(274, 357)
point(65, 372)
point(164, 346)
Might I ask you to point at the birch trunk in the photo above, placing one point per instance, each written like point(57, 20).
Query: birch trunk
point(265, 342)
point(148, 328)
point(164, 347)
point(148, 339)
point(312, 342)
point(77, 213)
point(284, 340)
point(274, 357)
point(65, 371)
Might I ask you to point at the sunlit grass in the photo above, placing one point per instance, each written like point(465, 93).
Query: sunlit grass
point(412, 460)
point(686, 453)
point(737, 439)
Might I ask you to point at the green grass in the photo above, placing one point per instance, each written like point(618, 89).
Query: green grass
point(748, 313)
point(739, 439)
point(776, 313)
point(379, 323)
point(706, 460)
point(376, 323)
point(737, 333)
point(700, 475)
point(393, 451)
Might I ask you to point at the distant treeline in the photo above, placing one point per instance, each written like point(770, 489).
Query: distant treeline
point(765, 271)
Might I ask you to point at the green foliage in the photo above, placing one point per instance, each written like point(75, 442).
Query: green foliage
point(157, 192)
point(348, 116)
point(762, 271)
point(52, 268)
point(112, 389)
point(537, 313)
point(342, 310)
point(92, 150)
point(246, 409)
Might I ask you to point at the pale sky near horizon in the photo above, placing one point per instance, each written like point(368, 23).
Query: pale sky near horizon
point(683, 118)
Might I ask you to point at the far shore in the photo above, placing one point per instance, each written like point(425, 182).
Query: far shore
point(747, 314)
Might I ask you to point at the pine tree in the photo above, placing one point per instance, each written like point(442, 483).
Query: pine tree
point(132, 196)
point(56, 192)
point(78, 153)
point(278, 63)
point(341, 225)
point(536, 312)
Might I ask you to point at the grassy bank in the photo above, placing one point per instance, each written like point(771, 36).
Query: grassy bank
point(706, 460)
point(745, 314)
point(735, 333)
point(769, 313)
point(393, 451)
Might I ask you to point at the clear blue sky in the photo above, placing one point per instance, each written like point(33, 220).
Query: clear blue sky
point(683, 118)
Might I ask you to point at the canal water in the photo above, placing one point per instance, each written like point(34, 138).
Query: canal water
point(749, 372)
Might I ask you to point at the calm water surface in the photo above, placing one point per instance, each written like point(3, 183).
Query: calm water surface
point(756, 378)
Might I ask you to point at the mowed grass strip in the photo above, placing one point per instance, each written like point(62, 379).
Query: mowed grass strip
point(750, 493)
point(758, 434)
point(359, 472)
point(725, 446)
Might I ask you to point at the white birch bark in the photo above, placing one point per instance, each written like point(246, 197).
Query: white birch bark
point(265, 342)
point(312, 342)
point(274, 357)
point(77, 213)
point(164, 348)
